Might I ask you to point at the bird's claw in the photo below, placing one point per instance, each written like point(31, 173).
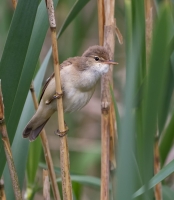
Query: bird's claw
point(2, 120)
point(62, 133)
point(55, 96)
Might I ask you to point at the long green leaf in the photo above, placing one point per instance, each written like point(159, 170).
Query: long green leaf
point(167, 136)
point(35, 149)
point(166, 101)
point(156, 86)
point(77, 7)
point(127, 175)
point(15, 51)
point(164, 173)
point(167, 193)
point(167, 140)
point(85, 180)
point(20, 154)
point(12, 63)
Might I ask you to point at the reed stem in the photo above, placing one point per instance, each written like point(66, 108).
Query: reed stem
point(157, 167)
point(2, 191)
point(7, 149)
point(107, 120)
point(64, 153)
point(46, 185)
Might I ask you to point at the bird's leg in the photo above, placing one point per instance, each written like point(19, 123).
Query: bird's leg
point(55, 96)
point(62, 133)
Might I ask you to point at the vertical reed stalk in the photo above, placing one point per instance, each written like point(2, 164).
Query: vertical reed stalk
point(101, 20)
point(64, 153)
point(47, 153)
point(14, 3)
point(157, 167)
point(2, 192)
point(104, 193)
point(113, 137)
point(46, 185)
point(7, 149)
point(107, 120)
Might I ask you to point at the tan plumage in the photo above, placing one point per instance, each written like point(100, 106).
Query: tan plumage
point(79, 76)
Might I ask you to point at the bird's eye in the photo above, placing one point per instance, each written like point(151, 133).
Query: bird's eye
point(96, 58)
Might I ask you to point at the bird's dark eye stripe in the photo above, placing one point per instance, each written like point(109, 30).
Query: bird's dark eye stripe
point(96, 58)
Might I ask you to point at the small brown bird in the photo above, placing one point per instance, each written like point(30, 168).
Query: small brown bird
point(79, 76)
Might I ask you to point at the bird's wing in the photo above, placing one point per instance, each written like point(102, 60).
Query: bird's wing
point(45, 86)
point(64, 64)
point(67, 62)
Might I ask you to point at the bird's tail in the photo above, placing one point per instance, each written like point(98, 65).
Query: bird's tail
point(32, 131)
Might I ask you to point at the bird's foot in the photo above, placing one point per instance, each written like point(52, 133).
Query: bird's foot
point(62, 133)
point(55, 96)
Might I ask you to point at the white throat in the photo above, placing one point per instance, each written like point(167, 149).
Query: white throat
point(90, 76)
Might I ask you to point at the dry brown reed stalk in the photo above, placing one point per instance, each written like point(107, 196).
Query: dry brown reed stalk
point(118, 34)
point(157, 167)
point(47, 153)
point(7, 149)
point(112, 114)
point(2, 192)
point(101, 21)
point(64, 153)
point(46, 185)
point(14, 2)
point(104, 192)
point(107, 119)
point(113, 136)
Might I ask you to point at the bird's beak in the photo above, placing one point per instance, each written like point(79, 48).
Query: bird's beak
point(110, 62)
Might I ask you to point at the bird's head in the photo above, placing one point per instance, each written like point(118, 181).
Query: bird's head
point(98, 59)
